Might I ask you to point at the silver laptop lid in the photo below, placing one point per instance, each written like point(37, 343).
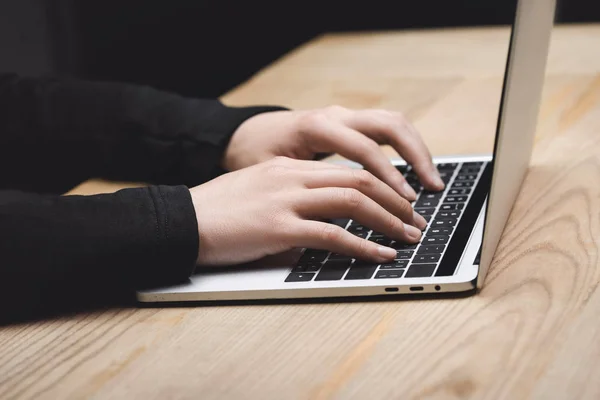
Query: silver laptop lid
point(523, 83)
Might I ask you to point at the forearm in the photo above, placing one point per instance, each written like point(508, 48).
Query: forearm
point(57, 249)
point(59, 132)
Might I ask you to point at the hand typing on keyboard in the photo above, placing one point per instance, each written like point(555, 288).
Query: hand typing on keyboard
point(280, 204)
point(354, 134)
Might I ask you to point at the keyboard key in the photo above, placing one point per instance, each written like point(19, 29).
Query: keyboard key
point(403, 246)
point(299, 277)
point(446, 166)
point(432, 195)
point(402, 168)
point(362, 234)
point(391, 274)
point(443, 223)
point(473, 164)
point(310, 267)
point(426, 258)
point(469, 177)
point(443, 230)
point(420, 270)
point(395, 265)
point(436, 239)
point(333, 271)
point(313, 256)
point(462, 184)
point(469, 170)
point(425, 211)
point(446, 176)
point(382, 241)
point(404, 255)
point(426, 203)
point(360, 271)
point(448, 215)
point(338, 257)
point(343, 222)
point(448, 207)
point(454, 192)
point(455, 199)
point(431, 249)
point(354, 227)
point(460, 206)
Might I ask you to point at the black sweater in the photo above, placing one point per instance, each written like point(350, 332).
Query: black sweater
point(72, 251)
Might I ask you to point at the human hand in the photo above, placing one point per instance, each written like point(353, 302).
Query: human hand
point(355, 135)
point(279, 205)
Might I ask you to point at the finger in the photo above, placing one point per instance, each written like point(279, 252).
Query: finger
point(371, 187)
point(350, 203)
point(320, 235)
point(363, 150)
point(392, 128)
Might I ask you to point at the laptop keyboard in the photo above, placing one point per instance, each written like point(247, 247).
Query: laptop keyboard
point(442, 210)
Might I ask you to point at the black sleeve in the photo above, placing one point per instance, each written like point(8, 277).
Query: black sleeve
point(55, 133)
point(70, 251)
point(65, 252)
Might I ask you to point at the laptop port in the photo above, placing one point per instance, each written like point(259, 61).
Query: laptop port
point(416, 288)
point(391, 289)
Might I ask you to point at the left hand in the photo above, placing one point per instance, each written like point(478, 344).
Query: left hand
point(355, 135)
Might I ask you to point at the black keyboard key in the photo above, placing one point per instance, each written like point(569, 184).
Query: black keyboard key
point(448, 215)
point(431, 249)
point(446, 166)
point(420, 270)
point(469, 170)
point(395, 265)
point(426, 203)
point(362, 234)
point(425, 211)
point(299, 277)
point(473, 164)
point(390, 274)
point(313, 256)
point(462, 184)
point(446, 176)
point(402, 168)
point(360, 271)
point(448, 207)
point(443, 223)
point(443, 230)
point(338, 257)
point(343, 222)
point(455, 192)
point(403, 246)
point(460, 206)
point(382, 241)
point(468, 177)
point(436, 239)
point(404, 255)
point(310, 267)
point(354, 227)
point(455, 199)
point(333, 271)
point(416, 187)
point(426, 258)
point(432, 195)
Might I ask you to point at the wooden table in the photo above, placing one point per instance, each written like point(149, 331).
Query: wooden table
point(533, 332)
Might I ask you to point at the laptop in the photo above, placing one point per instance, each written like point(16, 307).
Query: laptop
point(465, 221)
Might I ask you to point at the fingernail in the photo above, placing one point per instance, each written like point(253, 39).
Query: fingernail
point(419, 220)
point(408, 191)
point(386, 252)
point(412, 232)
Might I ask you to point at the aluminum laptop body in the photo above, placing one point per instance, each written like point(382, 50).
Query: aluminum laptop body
point(465, 221)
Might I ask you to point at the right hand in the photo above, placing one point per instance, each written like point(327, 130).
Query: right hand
point(279, 205)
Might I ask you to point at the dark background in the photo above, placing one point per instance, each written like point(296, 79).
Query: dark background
point(204, 48)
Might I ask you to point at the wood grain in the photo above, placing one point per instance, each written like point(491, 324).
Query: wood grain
point(533, 331)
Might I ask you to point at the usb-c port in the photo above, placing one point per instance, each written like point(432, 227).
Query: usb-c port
point(416, 288)
point(391, 289)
